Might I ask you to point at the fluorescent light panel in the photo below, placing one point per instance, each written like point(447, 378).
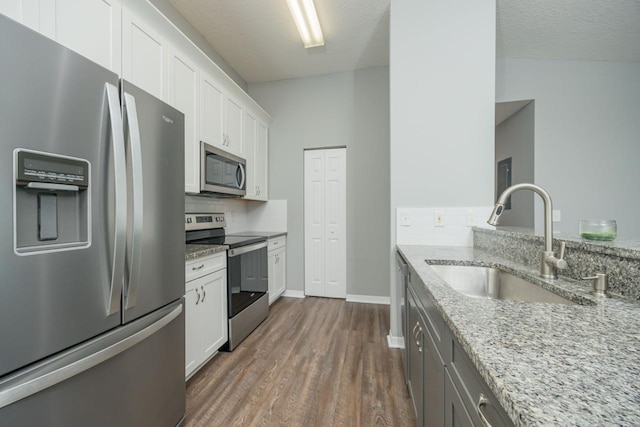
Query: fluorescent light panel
point(306, 19)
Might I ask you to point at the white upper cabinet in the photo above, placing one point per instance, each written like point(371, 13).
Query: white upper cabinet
point(90, 27)
point(144, 55)
point(221, 116)
point(254, 136)
point(262, 160)
point(249, 143)
point(233, 125)
point(183, 95)
point(26, 12)
point(211, 111)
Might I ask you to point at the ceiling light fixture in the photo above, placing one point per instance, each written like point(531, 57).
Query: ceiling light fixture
point(306, 19)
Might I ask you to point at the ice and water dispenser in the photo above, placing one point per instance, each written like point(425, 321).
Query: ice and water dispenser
point(51, 202)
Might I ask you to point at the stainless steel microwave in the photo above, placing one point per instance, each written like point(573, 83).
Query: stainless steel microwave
point(222, 173)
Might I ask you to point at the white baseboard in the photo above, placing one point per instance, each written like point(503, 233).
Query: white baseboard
point(293, 294)
point(368, 299)
point(395, 342)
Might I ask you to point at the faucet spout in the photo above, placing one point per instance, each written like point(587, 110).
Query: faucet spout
point(549, 263)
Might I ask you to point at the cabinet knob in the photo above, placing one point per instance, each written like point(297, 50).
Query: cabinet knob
point(198, 296)
point(204, 293)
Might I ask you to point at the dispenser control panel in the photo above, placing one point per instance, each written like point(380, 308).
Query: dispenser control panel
point(40, 167)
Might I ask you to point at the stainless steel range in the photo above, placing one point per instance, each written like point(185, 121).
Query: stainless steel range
point(247, 272)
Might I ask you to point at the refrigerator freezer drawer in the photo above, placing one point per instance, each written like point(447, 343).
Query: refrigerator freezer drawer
point(140, 385)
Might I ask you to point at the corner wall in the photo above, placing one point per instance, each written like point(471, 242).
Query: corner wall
point(587, 136)
point(344, 109)
point(442, 106)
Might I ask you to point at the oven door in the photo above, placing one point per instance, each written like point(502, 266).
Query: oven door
point(221, 173)
point(247, 276)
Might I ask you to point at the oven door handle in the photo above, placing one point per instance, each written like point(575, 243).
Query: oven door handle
point(244, 249)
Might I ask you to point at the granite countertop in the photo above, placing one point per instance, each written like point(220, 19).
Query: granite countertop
point(197, 251)
point(267, 234)
point(548, 364)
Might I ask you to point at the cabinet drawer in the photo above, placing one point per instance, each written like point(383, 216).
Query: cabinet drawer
point(277, 242)
point(205, 265)
point(471, 386)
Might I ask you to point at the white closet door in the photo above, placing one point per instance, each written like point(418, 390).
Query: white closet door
point(335, 227)
point(325, 222)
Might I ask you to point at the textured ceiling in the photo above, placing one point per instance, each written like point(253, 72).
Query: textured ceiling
point(600, 30)
point(260, 41)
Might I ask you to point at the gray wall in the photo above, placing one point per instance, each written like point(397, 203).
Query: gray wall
point(587, 136)
point(183, 25)
point(344, 109)
point(515, 139)
point(442, 105)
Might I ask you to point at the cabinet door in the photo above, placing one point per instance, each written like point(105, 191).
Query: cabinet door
point(192, 300)
point(90, 27)
point(144, 55)
point(433, 390)
point(233, 126)
point(415, 360)
point(261, 161)
point(455, 414)
point(212, 313)
point(211, 111)
point(26, 12)
point(281, 269)
point(183, 95)
point(249, 145)
point(271, 263)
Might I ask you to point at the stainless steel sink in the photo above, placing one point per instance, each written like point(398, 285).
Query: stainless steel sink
point(485, 282)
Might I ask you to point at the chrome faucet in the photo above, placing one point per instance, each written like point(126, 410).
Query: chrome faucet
point(550, 263)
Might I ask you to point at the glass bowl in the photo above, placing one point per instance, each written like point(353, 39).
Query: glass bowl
point(598, 229)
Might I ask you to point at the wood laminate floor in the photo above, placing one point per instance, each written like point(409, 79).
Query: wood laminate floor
point(313, 362)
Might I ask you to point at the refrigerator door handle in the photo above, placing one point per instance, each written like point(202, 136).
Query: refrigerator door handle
point(48, 376)
point(135, 154)
point(120, 220)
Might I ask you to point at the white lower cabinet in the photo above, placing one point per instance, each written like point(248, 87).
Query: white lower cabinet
point(277, 255)
point(206, 310)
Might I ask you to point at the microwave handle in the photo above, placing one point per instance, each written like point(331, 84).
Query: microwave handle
point(240, 181)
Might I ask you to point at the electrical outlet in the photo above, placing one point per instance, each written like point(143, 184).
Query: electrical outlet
point(438, 218)
point(405, 221)
point(471, 218)
point(556, 215)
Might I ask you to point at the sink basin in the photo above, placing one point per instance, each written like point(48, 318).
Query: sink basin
point(485, 282)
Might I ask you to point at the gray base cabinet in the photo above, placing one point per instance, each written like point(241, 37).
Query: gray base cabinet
point(455, 413)
point(415, 381)
point(445, 386)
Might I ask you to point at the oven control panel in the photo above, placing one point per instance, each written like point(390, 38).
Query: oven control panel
point(204, 221)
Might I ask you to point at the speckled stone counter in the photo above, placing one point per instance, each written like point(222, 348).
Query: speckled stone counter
point(619, 259)
point(197, 251)
point(267, 234)
point(548, 364)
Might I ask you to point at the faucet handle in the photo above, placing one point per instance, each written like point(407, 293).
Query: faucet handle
point(560, 263)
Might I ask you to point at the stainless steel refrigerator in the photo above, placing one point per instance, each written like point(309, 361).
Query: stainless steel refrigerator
point(91, 243)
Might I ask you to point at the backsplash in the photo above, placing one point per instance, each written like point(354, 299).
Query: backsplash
point(242, 215)
point(619, 261)
point(417, 226)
